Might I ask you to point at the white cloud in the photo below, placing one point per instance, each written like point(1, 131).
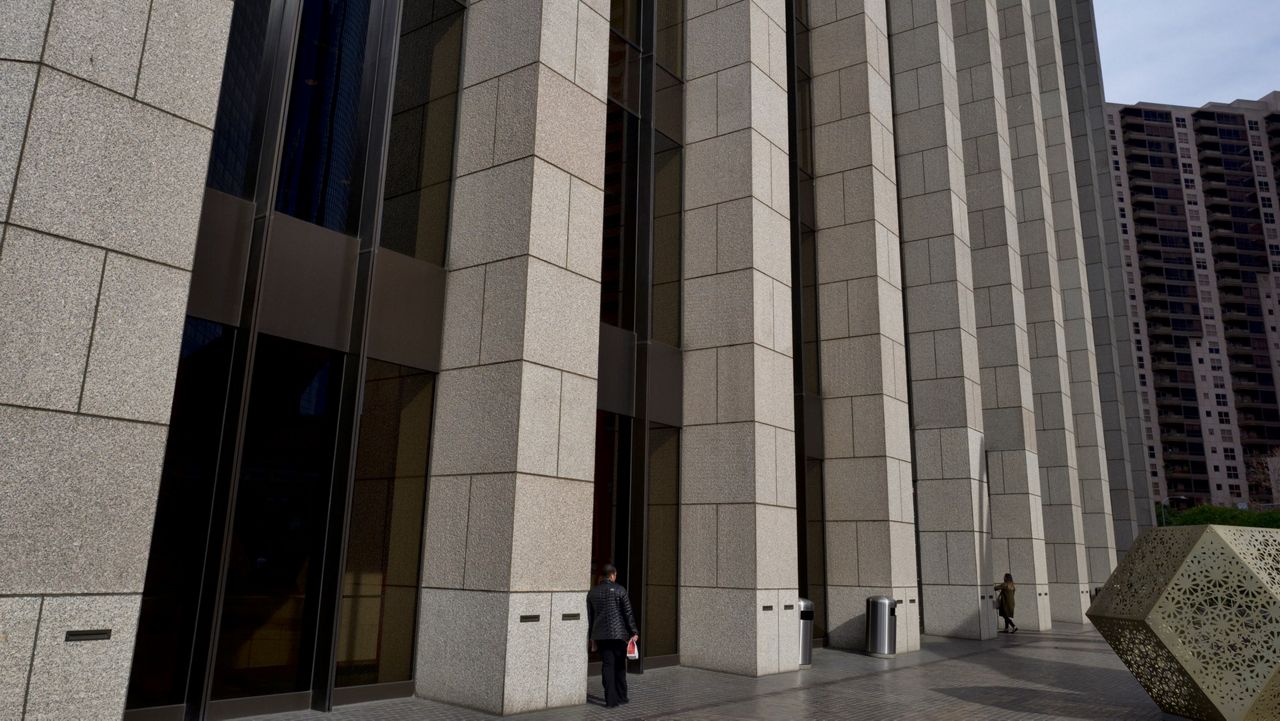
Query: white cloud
point(1189, 52)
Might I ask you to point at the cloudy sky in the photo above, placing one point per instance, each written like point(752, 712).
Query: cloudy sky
point(1189, 52)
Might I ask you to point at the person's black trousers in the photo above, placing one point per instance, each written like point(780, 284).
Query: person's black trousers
point(613, 671)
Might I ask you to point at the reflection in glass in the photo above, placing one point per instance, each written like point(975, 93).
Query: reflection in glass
point(624, 19)
point(172, 591)
point(617, 257)
point(668, 188)
point(611, 504)
point(266, 639)
point(662, 543)
point(380, 581)
point(320, 162)
point(415, 212)
point(236, 141)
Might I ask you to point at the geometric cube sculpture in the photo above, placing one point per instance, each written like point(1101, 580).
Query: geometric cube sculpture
point(1194, 613)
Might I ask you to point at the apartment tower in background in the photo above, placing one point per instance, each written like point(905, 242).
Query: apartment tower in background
point(1196, 196)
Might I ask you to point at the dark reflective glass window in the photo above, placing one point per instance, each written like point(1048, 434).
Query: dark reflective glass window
point(376, 618)
point(237, 136)
point(617, 259)
point(266, 638)
point(624, 18)
point(668, 46)
point(662, 567)
point(172, 590)
point(611, 503)
point(624, 73)
point(321, 160)
point(419, 169)
point(668, 189)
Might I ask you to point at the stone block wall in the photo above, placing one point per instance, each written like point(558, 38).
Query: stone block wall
point(106, 115)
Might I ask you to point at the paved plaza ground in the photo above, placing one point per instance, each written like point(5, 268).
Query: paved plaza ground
point(1069, 673)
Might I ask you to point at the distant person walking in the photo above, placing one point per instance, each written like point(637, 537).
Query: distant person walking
point(1004, 603)
point(611, 626)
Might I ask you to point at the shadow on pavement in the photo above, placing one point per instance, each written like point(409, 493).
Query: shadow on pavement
point(1051, 703)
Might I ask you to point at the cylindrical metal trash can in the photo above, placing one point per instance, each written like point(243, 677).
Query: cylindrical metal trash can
point(806, 633)
point(882, 627)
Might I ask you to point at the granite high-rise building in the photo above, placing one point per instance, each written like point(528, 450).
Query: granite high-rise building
point(341, 340)
point(1196, 194)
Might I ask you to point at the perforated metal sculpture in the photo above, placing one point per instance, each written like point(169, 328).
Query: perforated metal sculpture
point(1194, 613)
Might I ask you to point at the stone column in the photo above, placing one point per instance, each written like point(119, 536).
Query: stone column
point(1060, 481)
point(508, 531)
point(738, 477)
point(106, 117)
point(1008, 416)
point(1095, 488)
point(1130, 489)
point(868, 507)
point(953, 521)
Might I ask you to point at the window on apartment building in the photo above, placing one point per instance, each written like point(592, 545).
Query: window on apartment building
point(1142, 363)
point(1219, 382)
point(1142, 379)
point(1258, 156)
point(1233, 473)
point(1229, 453)
point(1202, 264)
point(1228, 436)
point(1224, 418)
point(1197, 245)
point(1189, 183)
point(1193, 201)
point(1151, 451)
point(1266, 201)
point(1124, 228)
point(1255, 140)
point(1184, 152)
point(1124, 213)
point(1269, 218)
point(1253, 125)
point(1187, 168)
point(1215, 364)
point(1115, 150)
point(1214, 349)
point(1220, 399)
point(1264, 186)
point(1180, 122)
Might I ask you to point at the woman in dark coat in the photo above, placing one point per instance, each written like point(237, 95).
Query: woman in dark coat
point(1004, 603)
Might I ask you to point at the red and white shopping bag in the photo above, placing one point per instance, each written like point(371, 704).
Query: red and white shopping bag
point(633, 651)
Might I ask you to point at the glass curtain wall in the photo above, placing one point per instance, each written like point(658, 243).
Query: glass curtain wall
point(636, 509)
point(287, 542)
point(804, 288)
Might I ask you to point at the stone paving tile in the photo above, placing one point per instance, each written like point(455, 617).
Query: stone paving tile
point(1064, 675)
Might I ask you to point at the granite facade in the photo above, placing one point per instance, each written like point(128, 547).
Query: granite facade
point(100, 185)
point(977, 391)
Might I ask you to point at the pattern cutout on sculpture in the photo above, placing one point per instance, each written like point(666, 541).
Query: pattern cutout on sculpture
point(1194, 613)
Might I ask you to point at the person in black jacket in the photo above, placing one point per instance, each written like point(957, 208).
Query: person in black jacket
point(611, 625)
